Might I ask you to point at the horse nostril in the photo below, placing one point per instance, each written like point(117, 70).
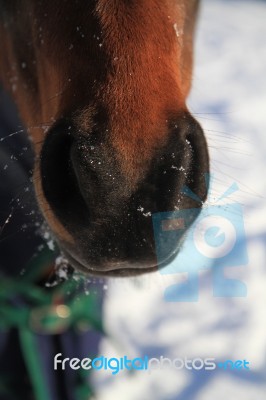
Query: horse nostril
point(193, 159)
point(182, 161)
point(199, 165)
point(60, 186)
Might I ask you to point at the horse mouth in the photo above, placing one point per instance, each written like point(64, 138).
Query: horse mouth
point(107, 267)
point(112, 269)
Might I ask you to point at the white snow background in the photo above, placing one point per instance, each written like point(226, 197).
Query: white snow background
point(229, 100)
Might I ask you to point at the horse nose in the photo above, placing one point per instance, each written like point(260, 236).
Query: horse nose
point(111, 223)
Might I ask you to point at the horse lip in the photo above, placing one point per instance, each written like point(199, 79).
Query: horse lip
point(117, 269)
point(110, 272)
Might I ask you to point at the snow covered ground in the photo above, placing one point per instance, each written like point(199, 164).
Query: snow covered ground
point(229, 99)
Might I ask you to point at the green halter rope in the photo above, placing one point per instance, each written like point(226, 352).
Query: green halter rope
point(47, 311)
